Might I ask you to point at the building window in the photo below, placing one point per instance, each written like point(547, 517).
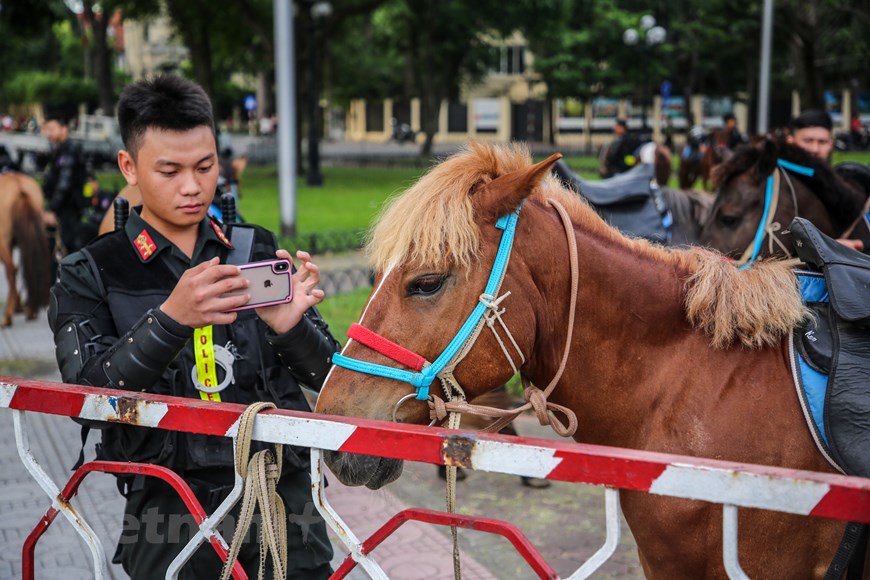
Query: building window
point(507, 60)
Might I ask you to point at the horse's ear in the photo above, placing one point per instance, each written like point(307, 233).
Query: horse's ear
point(769, 153)
point(505, 193)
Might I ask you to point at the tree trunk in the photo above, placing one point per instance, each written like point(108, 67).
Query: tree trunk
point(194, 31)
point(430, 109)
point(102, 60)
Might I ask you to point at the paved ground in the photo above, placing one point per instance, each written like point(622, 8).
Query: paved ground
point(566, 521)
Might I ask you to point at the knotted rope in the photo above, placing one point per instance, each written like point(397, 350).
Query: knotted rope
point(260, 473)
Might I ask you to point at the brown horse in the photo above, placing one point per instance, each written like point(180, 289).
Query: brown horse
point(21, 226)
point(828, 201)
point(670, 351)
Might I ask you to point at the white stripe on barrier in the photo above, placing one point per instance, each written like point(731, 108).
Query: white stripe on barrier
point(7, 391)
point(305, 432)
point(740, 488)
point(513, 459)
point(108, 408)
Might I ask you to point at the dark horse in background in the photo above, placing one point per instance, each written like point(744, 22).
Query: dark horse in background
point(21, 226)
point(826, 199)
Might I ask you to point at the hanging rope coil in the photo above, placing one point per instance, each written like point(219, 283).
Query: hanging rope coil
point(260, 473)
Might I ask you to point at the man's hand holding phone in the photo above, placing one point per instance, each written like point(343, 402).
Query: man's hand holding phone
point(207, 294)
point(283, 317)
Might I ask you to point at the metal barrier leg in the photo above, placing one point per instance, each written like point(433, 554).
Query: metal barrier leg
point(208, 529)
point(729, 543)
point(347, 537)
point(53, 492)
point(611, 541)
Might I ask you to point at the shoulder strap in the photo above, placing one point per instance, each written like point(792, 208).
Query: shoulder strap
point(242, 239)
point(95, 271)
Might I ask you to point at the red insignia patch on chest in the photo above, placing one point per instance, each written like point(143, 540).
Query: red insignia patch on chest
point(145, 245)
point(221, 235)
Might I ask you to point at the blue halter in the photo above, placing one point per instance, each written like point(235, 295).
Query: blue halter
point(421, 380)
point(768, 197)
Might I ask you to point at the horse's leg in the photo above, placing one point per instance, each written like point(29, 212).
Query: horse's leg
point(12, 297)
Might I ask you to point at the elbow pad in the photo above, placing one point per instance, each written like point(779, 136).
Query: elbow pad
point(140, 357)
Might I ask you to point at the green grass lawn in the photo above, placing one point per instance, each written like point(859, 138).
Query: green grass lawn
point(349, 198)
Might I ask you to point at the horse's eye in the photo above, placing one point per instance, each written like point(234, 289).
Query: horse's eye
point(426, 285)
point(729, 221)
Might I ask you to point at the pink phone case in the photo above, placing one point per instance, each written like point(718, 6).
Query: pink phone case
point(270, 284)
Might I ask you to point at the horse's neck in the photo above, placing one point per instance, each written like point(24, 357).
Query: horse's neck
point(629, 310)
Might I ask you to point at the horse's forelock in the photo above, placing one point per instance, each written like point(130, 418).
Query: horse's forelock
point(432, 224)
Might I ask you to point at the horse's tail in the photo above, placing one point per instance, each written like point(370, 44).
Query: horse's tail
point(28, 232)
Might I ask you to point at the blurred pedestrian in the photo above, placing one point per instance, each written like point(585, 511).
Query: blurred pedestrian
point(64, 183)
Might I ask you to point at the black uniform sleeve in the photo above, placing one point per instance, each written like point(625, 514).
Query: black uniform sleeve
point(306, 349)
point(88, 348)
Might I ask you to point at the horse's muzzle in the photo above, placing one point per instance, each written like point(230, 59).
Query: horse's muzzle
point(353, 469)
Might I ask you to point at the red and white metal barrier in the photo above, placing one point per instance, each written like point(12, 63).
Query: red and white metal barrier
point(734, 485)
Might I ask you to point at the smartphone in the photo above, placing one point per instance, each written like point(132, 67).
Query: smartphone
point(270, 284)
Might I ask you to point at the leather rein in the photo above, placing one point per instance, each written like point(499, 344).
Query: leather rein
point(486, 313)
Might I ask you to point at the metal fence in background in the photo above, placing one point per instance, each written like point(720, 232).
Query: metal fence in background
point(346, 280)
point(323, 242)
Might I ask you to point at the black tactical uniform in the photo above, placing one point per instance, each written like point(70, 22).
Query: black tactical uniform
point(64, 185)
point(110, 333)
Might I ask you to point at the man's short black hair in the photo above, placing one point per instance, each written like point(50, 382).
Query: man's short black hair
point(622, 123)
point(728, 117)
point(166, 102)
point(812, 118)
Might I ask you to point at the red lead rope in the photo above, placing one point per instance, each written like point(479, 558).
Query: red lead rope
point(386, 347)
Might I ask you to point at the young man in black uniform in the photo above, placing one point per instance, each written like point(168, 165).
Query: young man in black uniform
point(64, 184)
point(124, 311)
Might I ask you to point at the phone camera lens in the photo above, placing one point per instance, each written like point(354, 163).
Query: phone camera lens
point(281, 267)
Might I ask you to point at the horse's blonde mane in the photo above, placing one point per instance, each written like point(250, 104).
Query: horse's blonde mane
point(432, 224)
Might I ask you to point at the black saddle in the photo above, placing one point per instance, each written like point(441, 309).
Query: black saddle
point(836, 343)
point(847, 272)
point(630, 201)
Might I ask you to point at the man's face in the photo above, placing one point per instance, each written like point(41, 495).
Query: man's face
point(730, 124)
point(816, 141)
point(618, 130)
point(55, 132)
point(177, 173)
